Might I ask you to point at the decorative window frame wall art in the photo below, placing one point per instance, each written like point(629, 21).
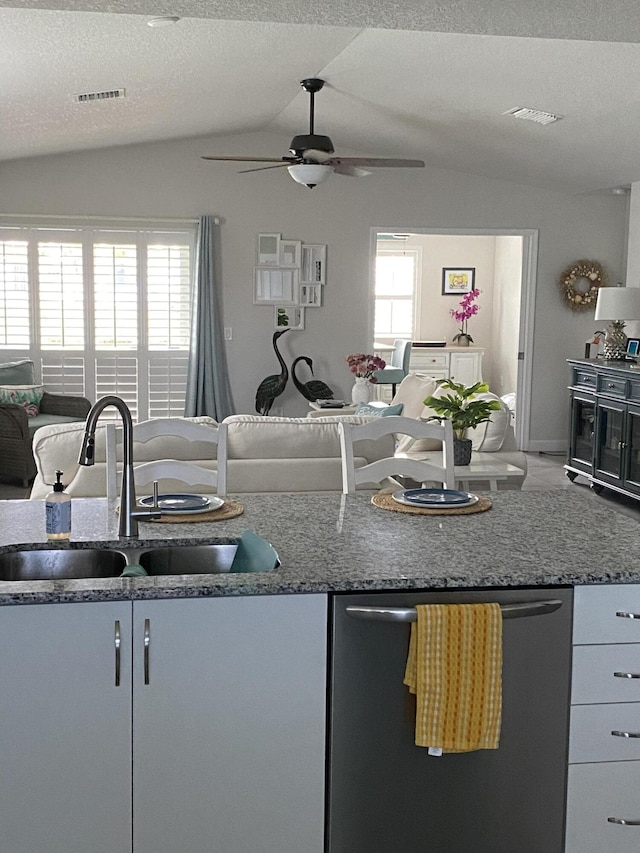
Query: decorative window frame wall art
point(457, 280)
point(290, 253)
point(313, 265)
point(288, 317)
point(268, 252)
point(276, 286)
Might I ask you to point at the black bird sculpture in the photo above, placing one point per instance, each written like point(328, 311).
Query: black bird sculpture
point(314, 389)
point(272, 386)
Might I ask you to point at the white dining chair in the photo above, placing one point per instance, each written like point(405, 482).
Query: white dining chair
point(375, 472)
point(184, 471)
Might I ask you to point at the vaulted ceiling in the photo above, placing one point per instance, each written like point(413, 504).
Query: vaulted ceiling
point(417, 79)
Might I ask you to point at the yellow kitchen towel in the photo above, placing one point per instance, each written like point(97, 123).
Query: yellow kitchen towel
point(454, 667)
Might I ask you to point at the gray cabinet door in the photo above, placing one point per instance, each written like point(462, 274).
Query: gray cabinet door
point(65, 729)
point(228, 732)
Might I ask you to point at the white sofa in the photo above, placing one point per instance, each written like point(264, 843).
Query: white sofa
point(265, 454)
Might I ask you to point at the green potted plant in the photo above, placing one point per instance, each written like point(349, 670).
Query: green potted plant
point(464, 411)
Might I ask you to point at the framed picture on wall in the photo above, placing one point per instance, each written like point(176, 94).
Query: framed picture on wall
point(275, 285)
point(457, 280)
point(290, 253)
point(268, 251)
point(288, 317)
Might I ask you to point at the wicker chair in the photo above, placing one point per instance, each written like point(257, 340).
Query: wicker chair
point(16, 429)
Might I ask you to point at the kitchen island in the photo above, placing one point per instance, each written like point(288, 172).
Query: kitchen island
point(189, 712)
point(334, 543)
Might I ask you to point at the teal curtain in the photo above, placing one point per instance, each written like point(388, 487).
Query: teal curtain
point(208, 388)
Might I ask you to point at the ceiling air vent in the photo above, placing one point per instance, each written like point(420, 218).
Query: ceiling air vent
point(109, 95)
point(532, 115)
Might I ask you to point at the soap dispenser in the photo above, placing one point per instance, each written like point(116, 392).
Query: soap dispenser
point(58, 511)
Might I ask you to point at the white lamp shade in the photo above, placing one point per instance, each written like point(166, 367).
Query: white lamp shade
point(309, 174)
point(618, 303)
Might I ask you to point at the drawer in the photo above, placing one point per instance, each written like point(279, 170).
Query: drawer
point(584, 378)
point(421, 360)
point(612, 387)
point(594, 614)
point(590, 737)
point(597, 792)
point(593, 677)
point(424, 373)
point(634, 391)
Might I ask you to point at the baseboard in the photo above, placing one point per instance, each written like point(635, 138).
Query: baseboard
point(547, 447)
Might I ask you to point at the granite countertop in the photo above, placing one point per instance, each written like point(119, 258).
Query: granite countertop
point(330, 543)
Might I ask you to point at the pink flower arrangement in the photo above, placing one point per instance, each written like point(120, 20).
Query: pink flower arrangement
point(466, 310)
point(365, 365)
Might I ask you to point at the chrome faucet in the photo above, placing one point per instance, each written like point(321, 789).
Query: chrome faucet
point(129, 515)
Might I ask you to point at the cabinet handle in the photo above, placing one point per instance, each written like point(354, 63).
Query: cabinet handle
point(611, 385)
point(624, 615)
point(626, 674)
point(116, 641)
point(147, 643)
point(623, 822)
point(616, 733)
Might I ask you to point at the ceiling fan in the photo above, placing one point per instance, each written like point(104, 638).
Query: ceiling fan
point(312, 157)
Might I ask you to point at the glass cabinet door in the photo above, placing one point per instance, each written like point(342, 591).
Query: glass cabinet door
point(583, 420)
point(610, 440)
point(632, 468)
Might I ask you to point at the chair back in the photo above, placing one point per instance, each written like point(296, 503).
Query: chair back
point(175, 469)
point(401, 355)
point(375, 472)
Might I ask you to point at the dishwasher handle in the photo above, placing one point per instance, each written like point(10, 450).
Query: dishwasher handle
point(410, 614)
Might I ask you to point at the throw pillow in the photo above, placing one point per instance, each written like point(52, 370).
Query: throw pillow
point(22, 394)
point(412, 391)
point(378, 411)
point(31, 410)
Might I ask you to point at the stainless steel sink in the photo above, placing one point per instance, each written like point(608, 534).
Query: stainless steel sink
point(251, 553)
point(53, 563)
point(189, 560)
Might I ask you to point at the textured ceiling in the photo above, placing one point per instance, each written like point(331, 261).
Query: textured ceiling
point(394, 88)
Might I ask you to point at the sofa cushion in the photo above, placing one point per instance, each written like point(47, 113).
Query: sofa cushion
point(17, 372)
point(299, 438)
point(49, 420)
point(22, 395)
point(411, 392)
point(489, 437)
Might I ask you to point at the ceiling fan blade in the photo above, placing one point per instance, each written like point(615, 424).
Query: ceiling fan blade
point(374, 162)
point(263, 168)
point(348, 169)
point(246, 159)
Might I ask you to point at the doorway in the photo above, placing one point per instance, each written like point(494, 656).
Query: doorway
point(503, 265)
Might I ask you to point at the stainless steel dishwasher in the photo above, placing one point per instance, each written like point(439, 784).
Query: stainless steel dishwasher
point(387, 795)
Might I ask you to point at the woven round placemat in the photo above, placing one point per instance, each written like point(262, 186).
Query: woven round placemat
point(228, 510)
point(386, 501)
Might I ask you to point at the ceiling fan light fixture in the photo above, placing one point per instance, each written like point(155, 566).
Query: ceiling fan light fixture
point(309, 174)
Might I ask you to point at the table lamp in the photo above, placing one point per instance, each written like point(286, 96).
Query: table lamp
point(617, 304)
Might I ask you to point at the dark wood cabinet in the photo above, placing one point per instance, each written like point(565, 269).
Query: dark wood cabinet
point(604, 440)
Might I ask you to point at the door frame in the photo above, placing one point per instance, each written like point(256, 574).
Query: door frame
point(527, 305)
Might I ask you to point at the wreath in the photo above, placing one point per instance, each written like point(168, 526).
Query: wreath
point(581, 282)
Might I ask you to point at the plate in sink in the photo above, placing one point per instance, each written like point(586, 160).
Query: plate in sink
point(178, 504)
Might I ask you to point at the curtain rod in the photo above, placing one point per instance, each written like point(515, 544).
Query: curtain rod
point(178, 219)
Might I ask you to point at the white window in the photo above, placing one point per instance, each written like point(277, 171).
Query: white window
point(101, 311)
point(395, 294)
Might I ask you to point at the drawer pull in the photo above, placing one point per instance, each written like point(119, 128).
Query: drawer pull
point(623, 821)
point(628, 615)
point(616, 733)
point(626, 674)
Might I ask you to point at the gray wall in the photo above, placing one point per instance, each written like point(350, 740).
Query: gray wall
point(170, 180)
